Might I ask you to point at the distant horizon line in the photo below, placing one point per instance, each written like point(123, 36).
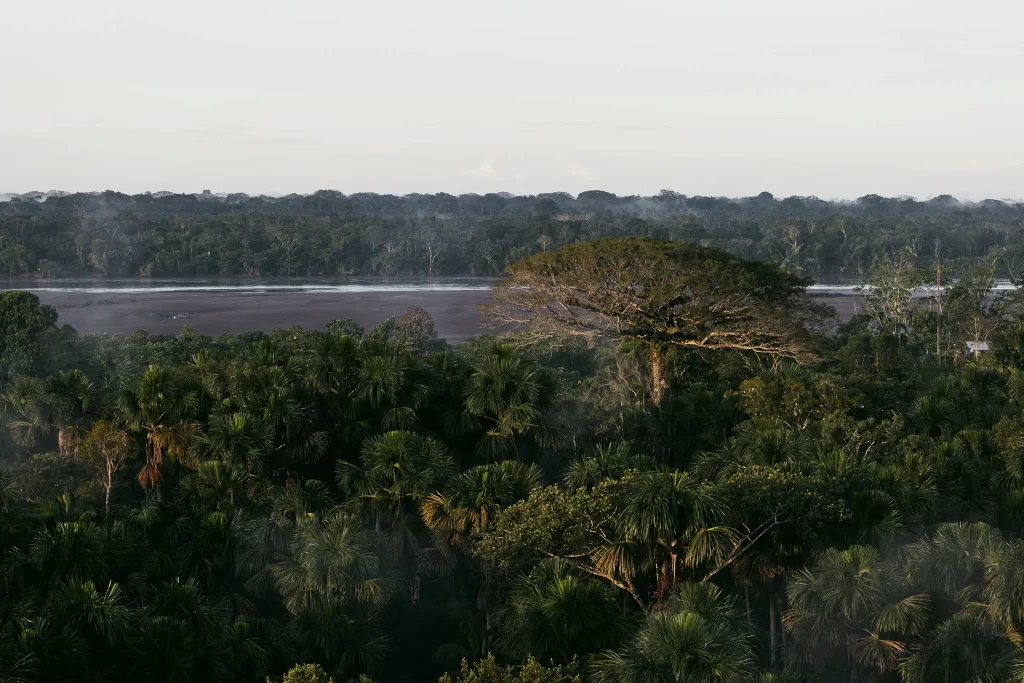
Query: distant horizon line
point(160, 194)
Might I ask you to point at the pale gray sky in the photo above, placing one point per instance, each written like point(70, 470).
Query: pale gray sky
point(727, 97)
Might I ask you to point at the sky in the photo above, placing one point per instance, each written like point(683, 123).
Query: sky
point(726, 97)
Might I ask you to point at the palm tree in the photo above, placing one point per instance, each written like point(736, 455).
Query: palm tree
point(608, 461)
point(184, 638)
point(388, 392)
point(69, 549)
point(556, 613)
point(330, 562)
point(1004, 585)
point(467, 508)
point(234, 437)
point(398, 466)
point(671, 515)
point(213, 550)
point(162, 405)
point(697, 638)
point(469, 503)
point(19, 660)
point(508, 392)
point(1009, 346)
point(966, 647)
point(273, 401)
point(25, 413)
point(344, 641)
point(215, 485)
point(99, 618)
point(332, 363)
point(853, 610)
point(249, 656)
point(8, 493)
point(211, 372)
point(952, 559)
point(72, 398)
point(399, 469)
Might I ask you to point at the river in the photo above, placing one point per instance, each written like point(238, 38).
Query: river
point(215, 306)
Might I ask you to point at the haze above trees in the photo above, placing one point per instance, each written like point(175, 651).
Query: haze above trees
point(329, 233)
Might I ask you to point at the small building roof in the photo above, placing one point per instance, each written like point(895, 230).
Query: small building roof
point(975, 346)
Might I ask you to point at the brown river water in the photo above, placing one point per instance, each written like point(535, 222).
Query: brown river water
point(121, 306)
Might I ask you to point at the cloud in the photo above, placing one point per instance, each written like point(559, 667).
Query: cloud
point(484, 170)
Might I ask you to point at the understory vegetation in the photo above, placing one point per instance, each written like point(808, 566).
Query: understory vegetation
point(676, 467)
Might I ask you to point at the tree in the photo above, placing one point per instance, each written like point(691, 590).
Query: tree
point(471, 501)
point(788, 515)
point(387, 386)
point(696, 639)
point(71, 397)
point(162, 405)
point(558, 613)
point(608, 461)
point(26, 328)
point(236, 438)
point(330, 562)
point(489, 671)
point(663, 294)
point(965, 647)
point(306, 673)
point(468, 507)
point(794, 396)
point(640, 533)
point(415, 327)
point(508, 392)
point(398, 467)
point(673, 516)
point(108, 448)
point(971, 309)
point(889, 292)
point(26, 413)
point(399, 470)
point(851, 609)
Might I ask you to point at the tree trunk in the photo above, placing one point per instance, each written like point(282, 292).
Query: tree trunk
point(657, 376)
point(938, 300)
point(746, 599)
point(110, 485)
point(781, 607)
point(771, 626)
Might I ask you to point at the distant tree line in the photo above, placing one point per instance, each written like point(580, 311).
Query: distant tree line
point(330, 233)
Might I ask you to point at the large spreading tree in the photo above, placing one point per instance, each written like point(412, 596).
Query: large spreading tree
point(661, 293)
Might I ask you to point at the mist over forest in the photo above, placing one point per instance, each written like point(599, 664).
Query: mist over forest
point(329, 233)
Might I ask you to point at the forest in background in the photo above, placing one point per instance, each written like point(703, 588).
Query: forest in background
point(330, 233)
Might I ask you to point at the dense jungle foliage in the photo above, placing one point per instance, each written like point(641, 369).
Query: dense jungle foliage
point(329, 233)
point(378, 505)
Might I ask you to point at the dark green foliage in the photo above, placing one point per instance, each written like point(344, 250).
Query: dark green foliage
point(344, 506)
point(27, 331)
point(329, 233)
point(489, 671)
